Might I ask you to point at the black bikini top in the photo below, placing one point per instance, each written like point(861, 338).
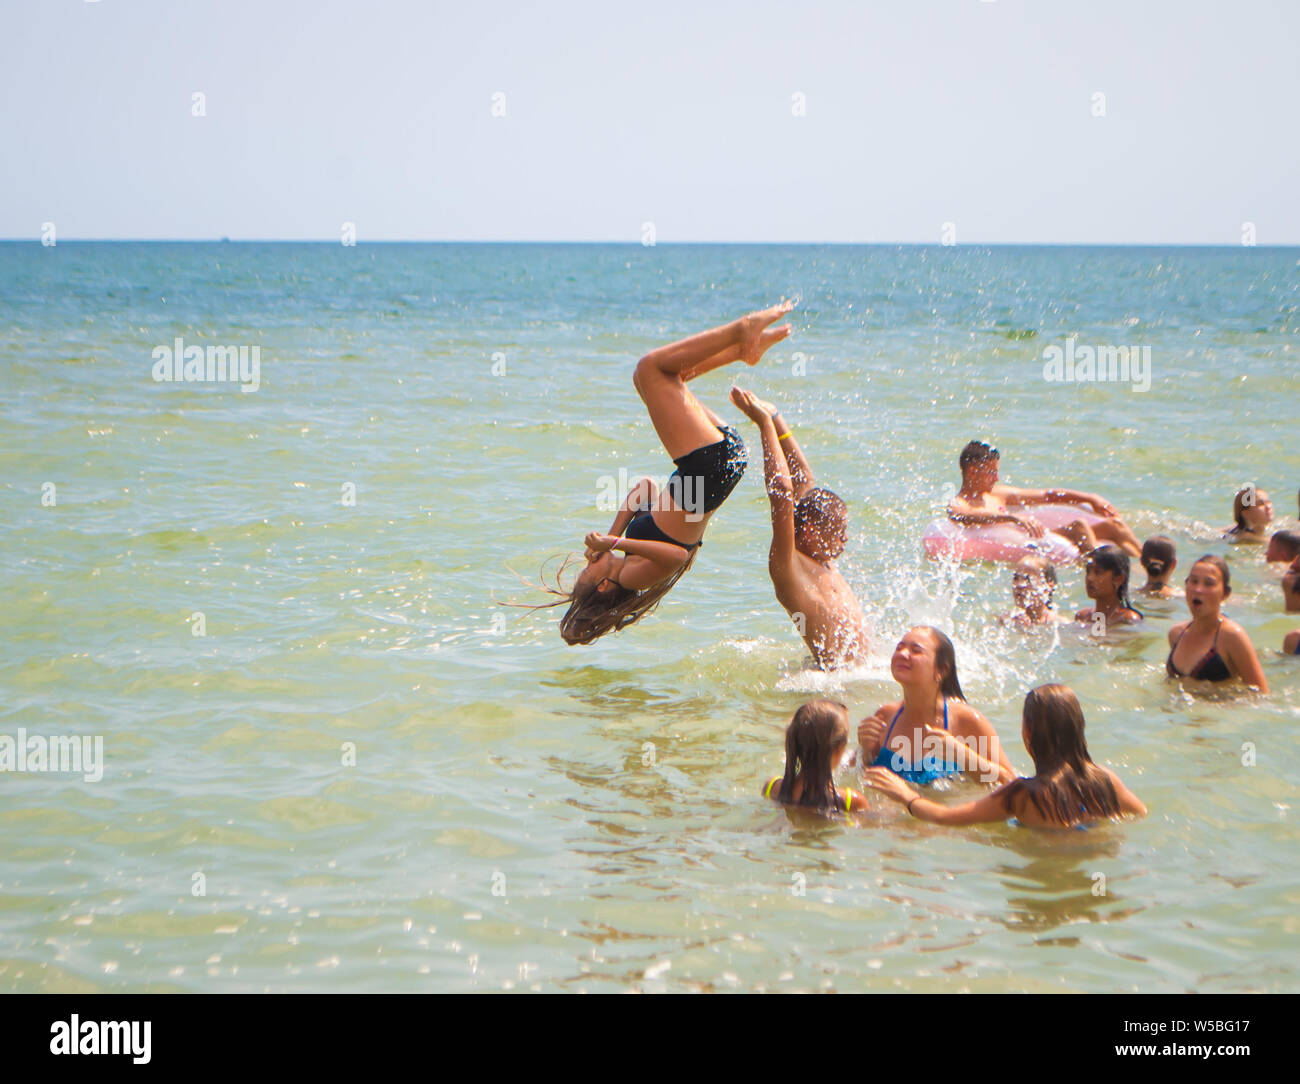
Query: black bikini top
point(1212, 666)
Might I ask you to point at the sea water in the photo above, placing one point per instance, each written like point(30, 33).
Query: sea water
point(332, 761)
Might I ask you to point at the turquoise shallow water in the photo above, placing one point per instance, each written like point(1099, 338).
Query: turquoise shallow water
point(525, 815)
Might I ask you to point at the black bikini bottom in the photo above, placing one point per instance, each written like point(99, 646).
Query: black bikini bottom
point(705, 477)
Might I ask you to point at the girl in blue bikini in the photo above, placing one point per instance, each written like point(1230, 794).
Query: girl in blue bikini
point(932, 733)
point(1067, 790)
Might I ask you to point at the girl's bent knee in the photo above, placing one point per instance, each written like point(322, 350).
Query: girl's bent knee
point(644, 369)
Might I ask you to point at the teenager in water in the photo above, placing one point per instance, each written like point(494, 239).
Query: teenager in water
point(656, 535)
point(1067, 788)
point(1159, 558)
point(809, 529)
point(1105, 580)
point(983, 499)
point(1291, 587)
point(1033, 584)
point(932, 733)
point(1252, 512)
point(815, 742)
point(1283, 547)
point(1209, 647)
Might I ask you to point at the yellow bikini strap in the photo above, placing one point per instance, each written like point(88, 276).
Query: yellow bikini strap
point(768, 793)
point(848, 801)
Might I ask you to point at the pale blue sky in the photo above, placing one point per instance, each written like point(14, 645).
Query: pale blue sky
point(919, 112)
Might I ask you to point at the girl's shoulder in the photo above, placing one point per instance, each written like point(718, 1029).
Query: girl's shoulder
point(888, 711)
point(1234, 633)
point(961, 714)
point(1111, 774)
point(770, 787)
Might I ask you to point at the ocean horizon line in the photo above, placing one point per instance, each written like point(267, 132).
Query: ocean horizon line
point(637, 244)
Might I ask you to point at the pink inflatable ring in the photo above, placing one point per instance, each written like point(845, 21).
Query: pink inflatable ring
point(1006, 541)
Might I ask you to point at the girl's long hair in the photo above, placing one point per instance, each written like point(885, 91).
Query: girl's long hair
point(1238, 508)
point(593, 613)
point(1113, 559)
point(810, 739)
point(1067, 787)
point(945, 660)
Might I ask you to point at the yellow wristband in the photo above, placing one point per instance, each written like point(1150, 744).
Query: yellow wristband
point(788, 433)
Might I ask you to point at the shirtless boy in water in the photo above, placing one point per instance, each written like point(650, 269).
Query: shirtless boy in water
point(984, 500)
point(809, 530)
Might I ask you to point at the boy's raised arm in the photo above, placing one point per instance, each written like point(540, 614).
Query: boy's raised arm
point(776, 475)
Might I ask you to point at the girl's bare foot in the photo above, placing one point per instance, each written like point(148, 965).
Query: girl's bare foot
point(756, 334)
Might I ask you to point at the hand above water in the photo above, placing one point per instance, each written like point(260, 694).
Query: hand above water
point(871, 733)
point(751, 405)
point(885, 781)
point(598, 543)
point(1031, 526)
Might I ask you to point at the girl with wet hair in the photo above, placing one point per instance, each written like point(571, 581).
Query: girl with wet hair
point(815, 742)
point(1067, 789)
point(1105, 580)
point(932, 733)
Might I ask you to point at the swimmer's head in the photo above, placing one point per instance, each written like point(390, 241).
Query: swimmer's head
point(1283, 546)
point(1106, 574)
point(1208, 584)
point(821, 525)
point(979, 463)
point(925, 656)
point(597, 604)
point(1251, 509)
point(815, 742)
point(1052, 729)
point(1033, 582)
point(1159, 557)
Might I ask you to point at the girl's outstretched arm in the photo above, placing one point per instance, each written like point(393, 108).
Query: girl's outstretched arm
point(969, 759)
point(984, 810)
point(973, 720)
